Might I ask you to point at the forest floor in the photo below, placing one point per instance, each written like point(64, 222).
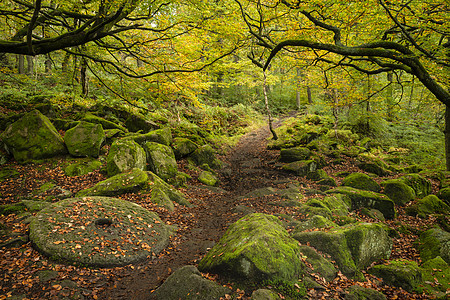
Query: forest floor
point(250, 166)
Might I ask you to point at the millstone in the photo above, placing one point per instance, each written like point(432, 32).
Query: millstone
point(98, 231)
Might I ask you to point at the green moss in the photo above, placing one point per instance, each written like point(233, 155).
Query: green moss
point(432, 243)
point(208, 178)
point(316, 221)
point(161, 136)
point(398, 191)
point(7, 173)
point(294, 154)
point(255, 248)
point(85, 139)
point(82, 167)
point(15, 208)
point(182, 147)
point(399, 273)
point(161, 160)
point(361, 181)
point(301, 168)
point(205, 155)
point(356, 292)
point(436, 278)
point(338, 204)
point(431, 204)
point(105, 123)
point(125, 155)
point(418, 183)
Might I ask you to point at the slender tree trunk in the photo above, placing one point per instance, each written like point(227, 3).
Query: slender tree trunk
point(48, 64)
point(30, 64)
point(389, 97)
point(84, 78)
point(269, 115)
point(297, 98)
point(20, 64)
point(308, 92)
point(447, 137)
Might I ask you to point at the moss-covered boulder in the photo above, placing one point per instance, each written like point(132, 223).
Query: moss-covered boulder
point(317, 264)
point(361, 181)
point(255, 248)
point(85, 139)
point(183, 147)
point(161, 136)
point(367, 199)
point(138, 122)
point(436, 278)
point(353, 247)
point(357, 292)
point(157, 185)
point(208, 178)
point(188, 283)
point(82, 167)
point(444, 195)
point(33, 137)
point(338, 204)
point(205, 155)
point(398, 191)
point(125, 155)
point(301, 167)
point(12, 208)
point(314, 222)
point(98, 232)
point(431, 204)
point(161, 160)
point(106, 124)
point(399, 273)
point(129, 181)
point(377, 168)
point(8, 173)
point(265, 294)
point(294, 154)
point(434, 242)
point(420, 185)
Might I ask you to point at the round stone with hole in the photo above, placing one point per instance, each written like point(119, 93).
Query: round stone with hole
point(98, 231)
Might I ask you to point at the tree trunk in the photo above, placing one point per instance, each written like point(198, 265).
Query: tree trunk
point(389, 97)
point(48, 64)
point(20, 64)
point(30, 64)
point(447, 137)
point(269, 115)
point(84, 78)
point(308, 92)
point(297, 98)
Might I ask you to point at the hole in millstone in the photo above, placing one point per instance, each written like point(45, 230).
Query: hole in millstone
point(103, 222)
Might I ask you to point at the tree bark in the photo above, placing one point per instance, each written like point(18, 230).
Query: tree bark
point(84, 78)
point(447, 137)
point(21, 64)
point(30, 64)
point(269, 115)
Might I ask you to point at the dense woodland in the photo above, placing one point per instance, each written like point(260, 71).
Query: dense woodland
point(353, 82)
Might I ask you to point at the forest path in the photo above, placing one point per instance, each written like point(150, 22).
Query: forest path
point(249, 166)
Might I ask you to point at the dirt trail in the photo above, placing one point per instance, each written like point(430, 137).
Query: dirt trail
point(250, 166)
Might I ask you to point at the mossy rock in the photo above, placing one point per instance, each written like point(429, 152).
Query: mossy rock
point(374, 168)
point(356, 292)
point(436, 278)
point(138, 122)
point(174, 195)
point(13, 208)
point(255, 248)
point(265, 294)
point(106, 124)
point(161, 136)
point(294, 154)
point(432, 243)
point(208, 178)
point(399, 273)
point(33, 206)
point(431, 204)
point(373, 213)
point(361, 181)
point(367, 199)
point(292, 192)
point(313, 208)
point(301, 168)
point(205, 155)
point(183, 147)
point(338, 204)
point(159, 197)
point(314, 222)
point(353, 247)
point(125, 155)
point(188, 283)
point(420, 185)
point(161, 160)
point(261, 192)
point(8, 173)
point(444, 195)
point(85, 139)
point(33, 137)
point(317, 264)
point(98, 232)
point(82, 167)
point(129, 181)
point(398, 191)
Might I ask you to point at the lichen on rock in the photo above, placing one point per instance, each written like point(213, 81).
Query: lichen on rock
point(125, 155)
point(85, 139)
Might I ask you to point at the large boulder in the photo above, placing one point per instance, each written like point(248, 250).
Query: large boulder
point(137, 122)
point(353, 247)
point(160, 136)
point(106, 124)
point(301, 167)
point(317, 264)
point(357, 292)
point(430, 204)
point(205, 155)
point(255, 248)
point(159, 188)
point(125, 155)
point(398, 191)
point(338, 204)
point(399, 273)
point(98, 232)
point(420, 185)
point(85, 139)
point(294, 154)
point(33, 137)
point(129, 181)
point(361, 181)
point(161, 160)
point(367, 199)
point(444, 195)
point(82, 167)
point(188, 283)
point(183, 147)
point(434, 242)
